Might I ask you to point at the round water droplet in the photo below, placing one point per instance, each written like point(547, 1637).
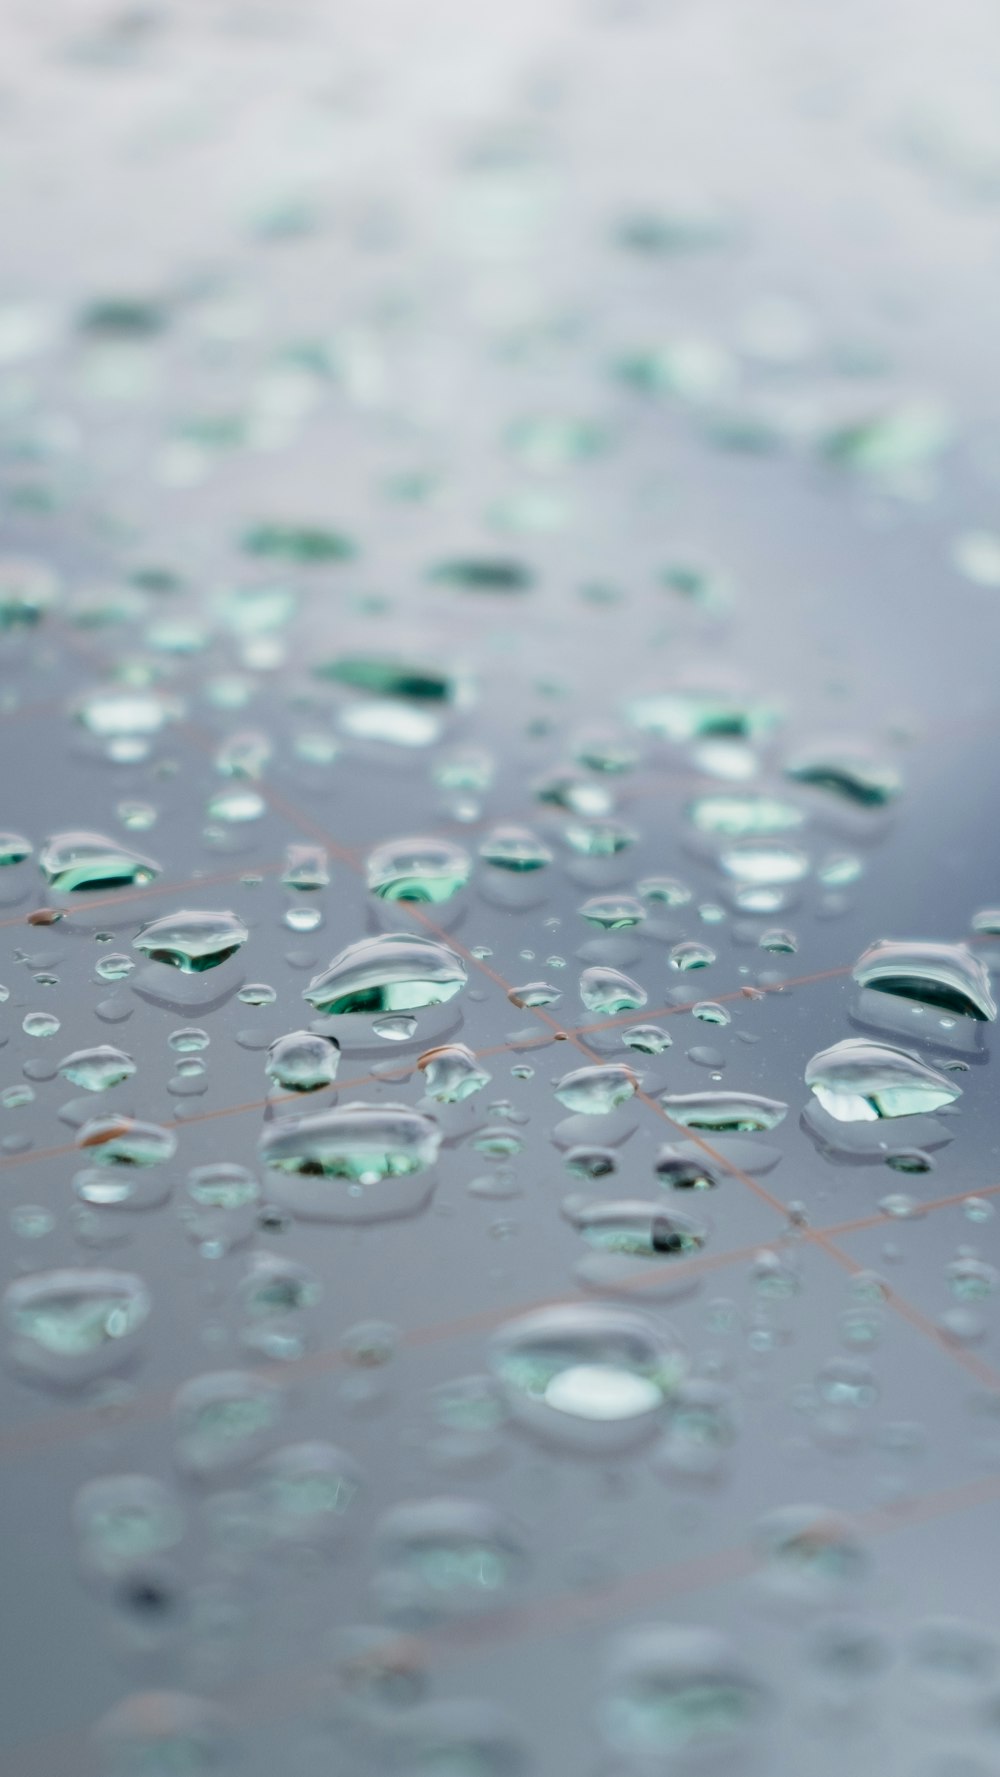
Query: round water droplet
point(303, 1061)
point(598, 1378)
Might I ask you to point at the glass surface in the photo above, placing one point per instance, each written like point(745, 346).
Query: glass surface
point(498, 657)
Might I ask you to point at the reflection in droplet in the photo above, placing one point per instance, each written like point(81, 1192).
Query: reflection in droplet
point(359, 1162)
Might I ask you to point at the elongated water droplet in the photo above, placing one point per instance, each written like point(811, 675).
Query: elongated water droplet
point(859, 1081)
point(606, 991)
point(634, 1226)
point(192, 941)
point(850, 773)
point(97, 1069)
point(738, 1111)
point(445, 1557)
point(396, 972)
point(359, 1162)
point(595, 1091)
point(516, 849)
point(944, 975)
point(673, 1691)
point(73, 861)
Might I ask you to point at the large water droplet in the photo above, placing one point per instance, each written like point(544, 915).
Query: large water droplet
point(89, 860)
point(192, 941)
point(598, 1378)
point(359, 1162)
point(859, 1081)
point(945, 975)
point(74, 1325)
point(396, 972)
point(737, 1111)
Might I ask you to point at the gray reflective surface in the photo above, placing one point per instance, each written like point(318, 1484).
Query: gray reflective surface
point(415, 425)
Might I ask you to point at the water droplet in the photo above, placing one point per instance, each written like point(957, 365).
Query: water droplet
point(124, 1141)
point(97, 1069)
point(691, 955)
point(721, 1111)
point(646, 1039)
point(597, 1376)
point(943, 975)
point(850, 773)
point(303, 1061)
point(594, 1091)
point(427, 870)
point(257, 993)
point(114, 967)
point(224, 1420)
point(634, 1227)
point(535, 993)
point(452, 1073)
point(378, 1157)
point(73, 861)
point(613, 913)
point(124, 1521)
point(744, 817)
point(14, 849)
point(606, 991)
point(859, 1081)
point(397, 1027)
point(40, 1024)
point(307, 1492)
point(192, 941)
point(72, 1326)
point(677, 1690)
point(396, 972)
